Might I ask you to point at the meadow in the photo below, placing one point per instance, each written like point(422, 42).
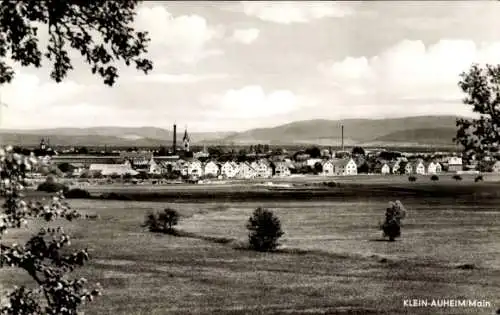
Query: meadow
point(333, 259)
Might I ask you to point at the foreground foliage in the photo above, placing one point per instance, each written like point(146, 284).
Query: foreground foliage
point(99, 30)
point(480, 137)
point(264, 230)
point(42, 256)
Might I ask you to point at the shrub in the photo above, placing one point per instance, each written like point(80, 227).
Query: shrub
point(394, 214)
point(162, 221)
point(52, 187)
point(77, 193)
point(457, 177)
point(264, 230)
point(478, 178)
point(434, 178)
point(412, 178)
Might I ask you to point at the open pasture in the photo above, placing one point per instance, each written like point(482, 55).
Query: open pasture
point(306, 181)
point(333, 259)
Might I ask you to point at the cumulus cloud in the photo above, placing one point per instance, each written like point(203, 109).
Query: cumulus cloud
point(253, 102)
point(246, 36)
point(184, 38)
point(410, 70)
point(27, 91)
point(27, 98)
point(287, 12)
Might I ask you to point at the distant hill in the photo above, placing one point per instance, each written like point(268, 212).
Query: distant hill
point(433, 136)
point(356, 131)
point(422, 130)
point(119, 136)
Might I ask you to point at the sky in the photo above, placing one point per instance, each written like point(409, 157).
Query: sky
point(234, 66)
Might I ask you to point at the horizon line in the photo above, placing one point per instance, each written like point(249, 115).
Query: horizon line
point(225, 131)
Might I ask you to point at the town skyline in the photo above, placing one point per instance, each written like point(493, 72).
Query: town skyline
point(239, 66)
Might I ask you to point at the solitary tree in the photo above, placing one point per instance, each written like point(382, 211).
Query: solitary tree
point(101, 32)
point(480, 136)
point(264, 230)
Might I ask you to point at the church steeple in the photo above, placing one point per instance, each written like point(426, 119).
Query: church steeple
point(43, 146)
point(186, 140)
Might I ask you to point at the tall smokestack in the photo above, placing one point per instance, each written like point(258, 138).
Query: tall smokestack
point(174, 142)
point(342, 137)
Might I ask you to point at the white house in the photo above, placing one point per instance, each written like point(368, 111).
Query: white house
point(395, 166)
point(434, 168)
point(245, 171)
point(282, 169)
point(194, 168)
point(154, 168)
point(383, 168)
point(263, 169)
point(328, 168)
point(229, 169)
point(183, 167)
point(455, 164)
point(211, 169)
point(419, 167)
point(345, 167)
point(409, 168)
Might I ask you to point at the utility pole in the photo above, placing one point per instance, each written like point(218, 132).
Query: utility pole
point(342, 127)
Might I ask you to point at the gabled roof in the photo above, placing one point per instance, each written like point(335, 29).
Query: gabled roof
point(341, 162)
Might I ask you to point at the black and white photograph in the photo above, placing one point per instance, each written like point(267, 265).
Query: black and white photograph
point(249, 157)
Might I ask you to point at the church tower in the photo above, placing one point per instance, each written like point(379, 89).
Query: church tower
point(43, 146)
point(185, 140)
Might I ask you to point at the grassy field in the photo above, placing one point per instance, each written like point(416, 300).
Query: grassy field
point(332, 261)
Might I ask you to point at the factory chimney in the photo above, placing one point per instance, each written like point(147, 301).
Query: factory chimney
point(174, 142)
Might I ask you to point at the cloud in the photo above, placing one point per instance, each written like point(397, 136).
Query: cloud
point(27, 91)
point(287, 12)
point(252, 102)
point(184, 38)
point(410, 70)
point(28, 99)
point(185, 78)
point(246, 36)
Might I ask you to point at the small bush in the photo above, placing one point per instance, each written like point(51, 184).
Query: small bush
point(264, 230)
point(162, 221)
point(457, 177)
point(434, 178)
point(412, 178)
point(478, 178)
point(53, 187)
point(77, 193)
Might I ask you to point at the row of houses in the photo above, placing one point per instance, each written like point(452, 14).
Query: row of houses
point(195, 168)
point(262, 168)
point(404, 167)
